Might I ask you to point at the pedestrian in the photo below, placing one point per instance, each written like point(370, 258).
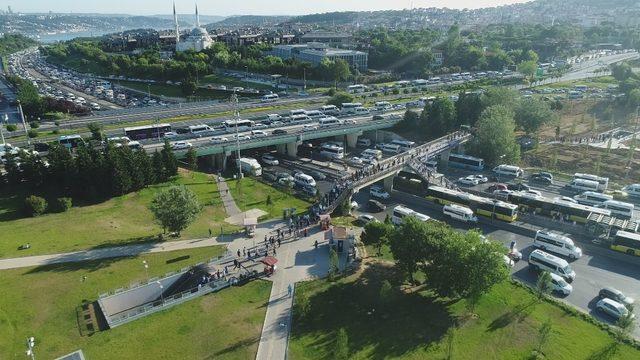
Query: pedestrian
point(289, 290)
point(315, 244)
point(279, 242)
point(265, 238)
point(238, 252)
point(512, 245)
point(306, 232)
point(210, 233)
point(244, 250)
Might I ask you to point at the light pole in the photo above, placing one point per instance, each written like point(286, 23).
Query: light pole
point(24, 125)
point(161, 291)
point(6, 117)
point(146, 268)
point(234, 99)
point(31, 343)
point(246, 76)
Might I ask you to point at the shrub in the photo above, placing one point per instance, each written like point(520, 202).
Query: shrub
point(12, 127)
point(32, 133)
point(35, 205)
point(34, 124)
point(56, 132)
point(57, 123)
point(63, 204)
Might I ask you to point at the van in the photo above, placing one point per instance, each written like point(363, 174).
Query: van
point(460, 213)
point(366, 143)
point(592, 198)
point(580, 185)
point(508, 170)
point(330, 110)
point(556, 243)
point(361, 111)
point(540, 260)
point(619, 209)
point(405, 145)
point(376, 154)
point(391, 148)
point(304, 180)
point(315, 114)
point(632, 190)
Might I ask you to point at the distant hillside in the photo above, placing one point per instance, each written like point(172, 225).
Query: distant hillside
point(248, 20)
point(190, 18)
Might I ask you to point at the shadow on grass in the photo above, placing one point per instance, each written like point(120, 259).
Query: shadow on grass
point(606, 352)
point(518, 313)
point(387, 330)
point(236, 346)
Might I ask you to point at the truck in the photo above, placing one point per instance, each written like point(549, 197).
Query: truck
point(250, 166)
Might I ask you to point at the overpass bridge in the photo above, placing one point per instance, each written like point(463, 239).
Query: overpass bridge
point(390, 167)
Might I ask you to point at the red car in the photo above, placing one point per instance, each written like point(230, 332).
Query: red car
point(496, 186)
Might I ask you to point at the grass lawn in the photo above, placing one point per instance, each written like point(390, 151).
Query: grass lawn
point(42, 302)
point(121, 220)
point(420, 326)
point(229, 81)
point(172, 91)
point(253, 194)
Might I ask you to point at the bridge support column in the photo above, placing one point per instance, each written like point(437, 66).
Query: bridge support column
point(352, 139)
point(281, 148)
point(460, 149)
point(292, 149)
point(444, 156)
point(388, 183)
point(221, 161)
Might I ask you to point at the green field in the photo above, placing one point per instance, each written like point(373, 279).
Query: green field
point(42, 302)
point(118, 221)
point(419, 325)
point(253, 194)
point(172, 91)
point(233, 82)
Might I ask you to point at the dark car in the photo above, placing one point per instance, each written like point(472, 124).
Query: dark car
point(496, 186)
point(376, 206)
point(378, 117)
point(540, 179)
point(518, 187)
point(544, 174)
point(279, 132)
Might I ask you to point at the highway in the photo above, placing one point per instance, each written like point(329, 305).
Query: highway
point(594, 270)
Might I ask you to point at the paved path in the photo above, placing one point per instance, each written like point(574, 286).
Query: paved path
point(227, 199)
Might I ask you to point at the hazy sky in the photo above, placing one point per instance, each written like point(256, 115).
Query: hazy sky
point(255, 7)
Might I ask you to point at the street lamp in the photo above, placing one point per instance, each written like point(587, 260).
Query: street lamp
point(161, 291)
point(31, 343)
point(146, 268)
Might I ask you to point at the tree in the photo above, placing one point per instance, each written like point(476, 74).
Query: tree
point(438, 118)
point(468, 108)
point(410, 242)
point(543, 335)
point(633, 98)
point(333, 264)
point(169, 160)
point(12, 127)
point(191, 158)
point(621, 71)
point(35, 205)
point(543, 284)
point(528, 69)
point(376, 234)
point(341, 351)
point(483, 267)
point(157, 164)
point(96, 131)
point(499, 96)
point(409, 121)
point(340, 98)
point(188, 87)
point(340, 70)
point(495, 140)
point(531, 114)
point(175, 208)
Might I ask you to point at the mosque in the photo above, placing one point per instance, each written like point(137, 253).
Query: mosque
point(197, 40)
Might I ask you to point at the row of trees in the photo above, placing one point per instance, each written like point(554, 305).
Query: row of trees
point(35, 106)
point(91, 174)
point(454, 264)
point(10, 43)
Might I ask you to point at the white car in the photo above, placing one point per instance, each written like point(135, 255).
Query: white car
point(532, 193)
point(277, 123)
point(356, 160)
point(181, 145)
point(566, 199)
point(350, 122)
point(259, 134)
point(468, 181)
point(309, 128)
point(365, 219)
point(560, 285)
point(379, 193)
point(612, 308)
point(241, 137)
point(170, 135)
point(219, 139)
point(270, 160)
point(369, 160)
point(481, 178)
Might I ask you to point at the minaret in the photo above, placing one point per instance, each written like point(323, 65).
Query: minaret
point(197, 17)
point(175, 20)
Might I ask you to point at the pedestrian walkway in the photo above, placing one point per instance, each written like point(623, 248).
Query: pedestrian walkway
point(227, 199)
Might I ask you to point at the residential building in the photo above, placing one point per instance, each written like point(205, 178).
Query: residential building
point(314, 53)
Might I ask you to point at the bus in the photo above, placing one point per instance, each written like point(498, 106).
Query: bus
point(147, 132)
point(358, 88)
point(332, 151)
point(71, 141)
point(330, 121)
point(480, 205)
point(349, 108)
point(405, 145)
point(242, 125)
point(269, 98)
point(250, 166)
point(556, 207)
point(603, 181)
point(466, 162)
point(399, 213)
point(626, 242)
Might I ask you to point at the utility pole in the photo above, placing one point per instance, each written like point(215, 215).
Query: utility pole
point(6, 118)
point(236, 115)
point(24, 125)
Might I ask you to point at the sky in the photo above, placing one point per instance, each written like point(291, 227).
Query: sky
point(244, 7)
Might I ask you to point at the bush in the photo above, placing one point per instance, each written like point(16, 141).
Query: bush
point(63, 204)
point(34, 124)
point(56, 132)
point(32, 133)
point(35, 205)
point(57, 123)
point(395, 91)
point(12, 127)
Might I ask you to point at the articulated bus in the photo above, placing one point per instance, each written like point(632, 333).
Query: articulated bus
point(482, 206)
point(555, 207)
point(147, 131)
point(626, 242)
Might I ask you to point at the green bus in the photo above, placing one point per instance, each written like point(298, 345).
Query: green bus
point(626, 242)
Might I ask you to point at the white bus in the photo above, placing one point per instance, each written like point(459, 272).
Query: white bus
point(332, 151)
point(199, 129)
point(330, 121)
point(592, 198)
point(391, 148)
point(399, 213)
point(541, 260)
point(250, 166)
point(419, 82)
point(619, 209)
point(349, 108)
point(508, 170)
point(358, 88)
point(632, 190)
point(270, 98)
point(242, 125)
point(382, 106)
point(460, 213)
point(299, 118)
point(71, 141)
point(580, 185)
point(405, 145)
point(603, 181)
point(304, 180)
point(374, 153)
point(330, 110)
point(295, 112)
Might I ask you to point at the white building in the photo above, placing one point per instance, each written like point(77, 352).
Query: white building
point(197, 40)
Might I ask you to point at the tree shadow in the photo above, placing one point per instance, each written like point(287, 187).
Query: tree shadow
point(606, 352)
point(518, 313)
point(389, 329)
point(237, 345)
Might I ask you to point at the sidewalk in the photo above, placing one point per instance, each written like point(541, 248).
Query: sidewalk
point(227, 199)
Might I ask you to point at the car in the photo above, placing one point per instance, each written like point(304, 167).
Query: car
point(378, 192)
point(560, 285)
point(566, 199)
point(219, 139)
point(350, 122)
point(544, 174)
point(170, 135)
point(612, 308)
point(378, 117)
point(259, 133)
point(502, 194)
point(616, 295)
point(468, 181)
point(376, 206)
point(317, 175)
point(365, 219)
point(279, 132)
point(481, 178)
point(309, 128)
point(356, 160)
point(354, 205)
point(270, 160)
point(277, 123)
point(532, 193)
point(284, 176)
point(518, 187)
point(181, 145)
point(497, 186)
point(369, 160)
point(241, 137)
point(540, 179)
